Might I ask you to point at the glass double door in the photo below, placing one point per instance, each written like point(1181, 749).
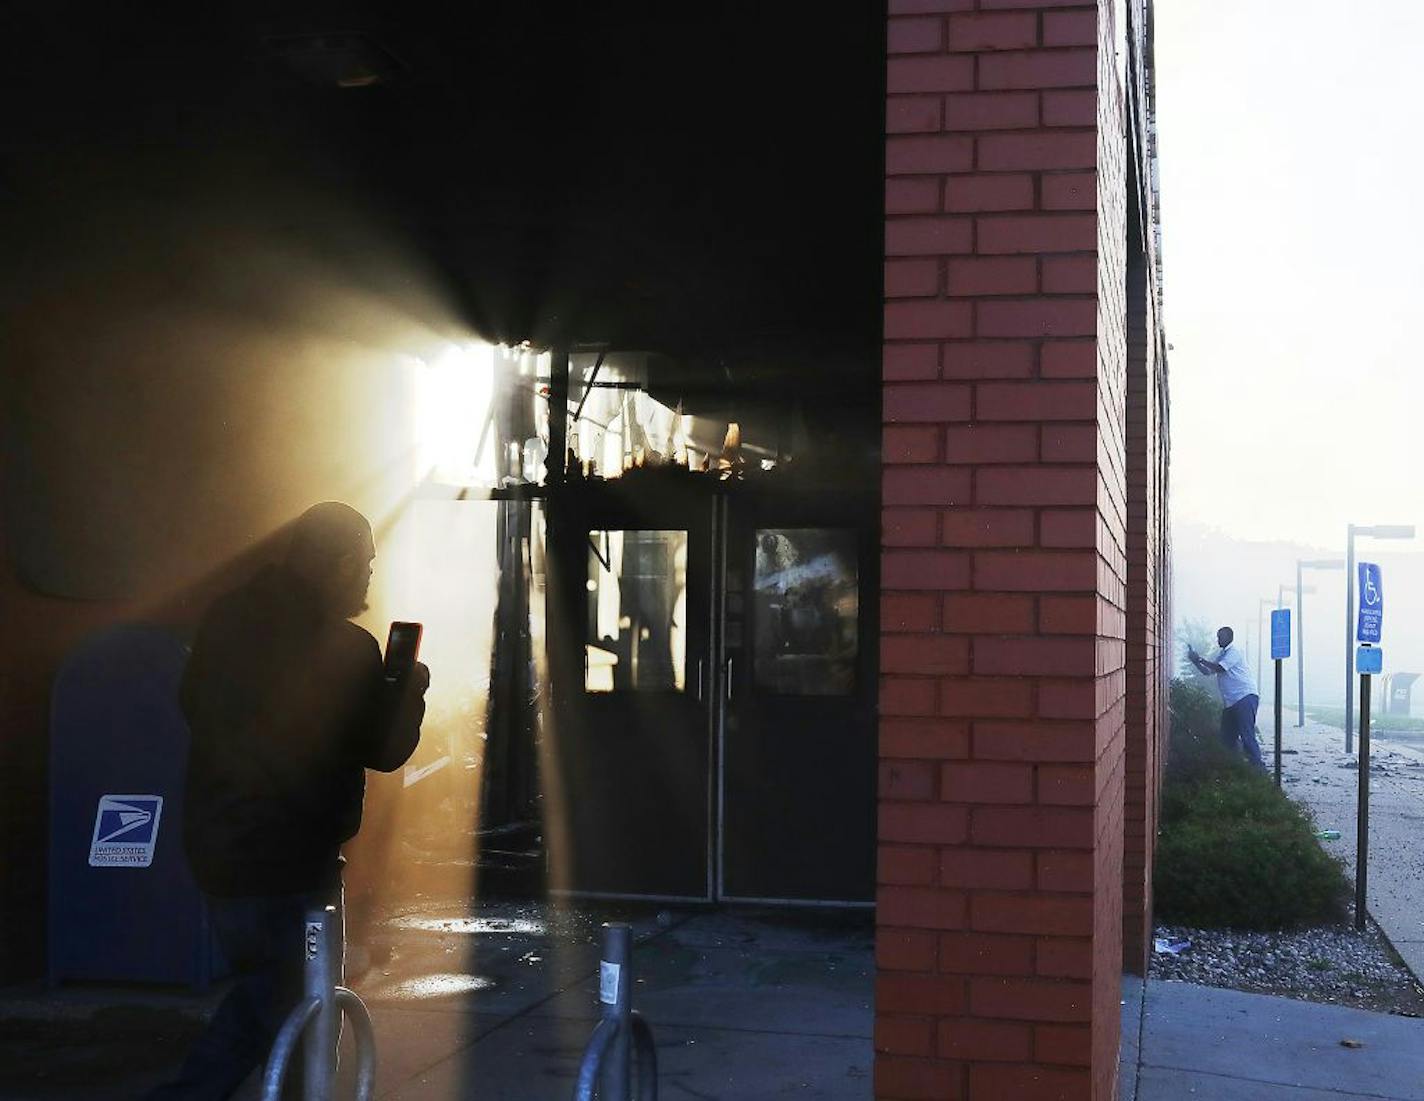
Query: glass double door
point(711, 736)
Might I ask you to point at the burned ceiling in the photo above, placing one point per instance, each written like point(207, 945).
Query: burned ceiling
point(702, 182)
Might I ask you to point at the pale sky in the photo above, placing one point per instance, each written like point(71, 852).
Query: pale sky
point(1292, 186)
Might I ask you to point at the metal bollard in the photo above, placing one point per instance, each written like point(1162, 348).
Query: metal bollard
point(319, 1015)
point(322, 974)
point(620, 1034)
point(613, 983)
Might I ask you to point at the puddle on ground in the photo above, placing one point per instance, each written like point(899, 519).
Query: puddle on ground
point(473, 926)
point(439, 986)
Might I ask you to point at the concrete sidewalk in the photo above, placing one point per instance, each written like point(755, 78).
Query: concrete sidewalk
point(741, 1006)
point(1183, 1041)
point(498, 1001)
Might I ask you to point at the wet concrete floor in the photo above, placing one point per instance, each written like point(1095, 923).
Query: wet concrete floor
point(498, 1001)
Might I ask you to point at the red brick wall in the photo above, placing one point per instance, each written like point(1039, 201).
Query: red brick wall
point(1112, 172)
point(1146, 634)
point(1148, 625)
point(1004, 553)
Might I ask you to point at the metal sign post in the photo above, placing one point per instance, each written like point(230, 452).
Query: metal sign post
point(1300, 567)
point(1362, 798)
point(1278, 722)
point(1280, 650)
point(1368, 660)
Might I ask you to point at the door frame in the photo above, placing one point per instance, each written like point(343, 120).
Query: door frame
point(608, 506)
point(612, 506)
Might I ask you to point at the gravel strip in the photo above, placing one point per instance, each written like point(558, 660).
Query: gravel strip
point(1330, 963)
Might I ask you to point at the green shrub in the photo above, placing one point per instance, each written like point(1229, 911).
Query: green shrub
point(1245, 873)
point(1233, 852)
point(1195, 752)
point(1194, 711)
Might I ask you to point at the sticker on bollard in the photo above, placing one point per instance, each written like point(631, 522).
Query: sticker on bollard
point(608, 974)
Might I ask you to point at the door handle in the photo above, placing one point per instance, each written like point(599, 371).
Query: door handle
point(729, 678)
point(701, 665)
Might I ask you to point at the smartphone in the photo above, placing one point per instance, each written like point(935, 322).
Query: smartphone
point(402, 647)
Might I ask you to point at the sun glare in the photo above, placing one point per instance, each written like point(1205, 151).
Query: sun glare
point(454, 398)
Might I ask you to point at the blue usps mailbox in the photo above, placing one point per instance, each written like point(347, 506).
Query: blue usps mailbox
point(122, 904)
point(1370, 621)
point(1280, 634)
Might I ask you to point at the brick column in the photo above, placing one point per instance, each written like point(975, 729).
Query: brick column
point(1004, 554)
point(1148, 619)
point(1143, 641)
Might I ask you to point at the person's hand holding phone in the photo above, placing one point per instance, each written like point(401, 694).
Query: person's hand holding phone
point(406, 679)
point(402, 647)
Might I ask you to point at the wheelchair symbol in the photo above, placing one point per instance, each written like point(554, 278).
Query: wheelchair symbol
point(1372, 593)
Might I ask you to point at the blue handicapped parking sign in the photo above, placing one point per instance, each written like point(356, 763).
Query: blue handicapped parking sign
point(1370, 621)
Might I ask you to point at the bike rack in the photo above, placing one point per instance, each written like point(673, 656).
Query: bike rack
point(620, 1034)
point(322, 1006)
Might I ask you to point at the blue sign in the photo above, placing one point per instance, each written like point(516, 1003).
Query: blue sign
point(1280, 634)
point(1369, 659)
point(1371, 617)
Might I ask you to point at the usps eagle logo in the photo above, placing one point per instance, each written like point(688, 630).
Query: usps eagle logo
point(125, 831)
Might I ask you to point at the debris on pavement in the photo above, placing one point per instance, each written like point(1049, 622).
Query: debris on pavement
point(1332, 963)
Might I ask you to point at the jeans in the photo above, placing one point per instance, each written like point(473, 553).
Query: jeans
point(262, 938)
point(1238, 724)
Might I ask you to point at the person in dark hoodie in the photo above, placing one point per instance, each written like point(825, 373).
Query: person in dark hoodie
point(288, 705)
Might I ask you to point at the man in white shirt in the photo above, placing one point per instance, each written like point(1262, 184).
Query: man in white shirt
point(1238, 695)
